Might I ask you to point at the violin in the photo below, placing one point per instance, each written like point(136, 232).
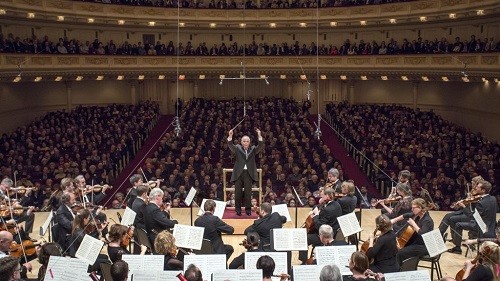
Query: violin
point(125, 241)
point(388, 200)
point(16, 250)
point(16, 211)
point(468, 200)
point(99, 188)
point(460, 274)
point(245, 244)
point(10, 227)
point(20, 190)
point(153, 184)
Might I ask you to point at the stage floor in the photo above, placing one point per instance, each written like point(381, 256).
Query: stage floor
point(450, 263)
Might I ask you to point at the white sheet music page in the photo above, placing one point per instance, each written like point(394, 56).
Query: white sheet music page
point(289, 239)
point(338, 255)
point(89, 249)
point(143, 262)
point(282, 209)
point(128, 217)
point(480, 222)
point(220, 207)
point(46, 224)
point(434, 242)
point(280, 260)
point(417, 275)
point(238, 275)
point(187, 236)
point(349, 224)
point(208, 264)
point(155, 275)
point(306, 272)
point(62, 269)
point(190, 196)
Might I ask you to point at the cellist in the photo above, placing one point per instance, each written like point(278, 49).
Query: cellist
point(419, 222)
point(487, 269)
point(383, 250)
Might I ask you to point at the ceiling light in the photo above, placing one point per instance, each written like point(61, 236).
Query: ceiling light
point(182, 24)
point(423, 19)
point(242, 25)
point(140, 77)
point(38, 78)
point(31, 15)
point(465, 79)
point(404, 78)
point(283, 76)
point(90, 20)
point(100, 78)
point(212, 25)
point(79, 78)
point(60, 18)
point(392, 20)
point(480, 12)
point(496, 80)
point(151, 23)
point(485, 80)
point(333, 23)
point(425, 78)
point(343, 77)
point(121, 22)
point(303, 77)
point(363, 77)
point(363, 22)
point(445, 79)
point(2, 12)
point(453, 16)
point(202, 76)
point(182, 77)
point(383, 77)
point(302, 24)
point(242, 76)
point(58, 78)
point(161, 76)
point(272, 25)
point(322, 77)
point(263, 76)
point(222, 76)
point(17, 79)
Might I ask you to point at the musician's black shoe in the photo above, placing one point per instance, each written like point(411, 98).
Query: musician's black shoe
point(238, 213)
point(249, 213)
point(455, 250)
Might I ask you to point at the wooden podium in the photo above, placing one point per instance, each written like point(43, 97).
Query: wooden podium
point(231, 189)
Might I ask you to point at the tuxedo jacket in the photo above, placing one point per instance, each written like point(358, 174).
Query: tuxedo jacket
point(328, 215)
point(264, 225)
point(245, 158)
point(139, 206)
point(487, 209)
point(214, 227)
point(156, 221)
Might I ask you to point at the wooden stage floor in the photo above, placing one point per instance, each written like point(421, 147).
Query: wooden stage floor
point(450, 263)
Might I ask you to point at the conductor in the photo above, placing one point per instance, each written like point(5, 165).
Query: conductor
point(245, 170)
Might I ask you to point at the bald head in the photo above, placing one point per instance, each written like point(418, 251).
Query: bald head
point(5, 240)
point(245, 142)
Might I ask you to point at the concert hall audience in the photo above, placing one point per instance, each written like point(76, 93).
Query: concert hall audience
point(441, 156)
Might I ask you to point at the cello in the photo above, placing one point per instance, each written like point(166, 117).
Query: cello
point(460, 274)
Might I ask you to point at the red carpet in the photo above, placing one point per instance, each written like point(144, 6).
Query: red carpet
point(230, 213)
point(148, 148)
point(349, 165)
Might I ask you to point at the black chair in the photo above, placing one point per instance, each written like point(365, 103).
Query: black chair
point(106, 271)
point(409, 264)
point(339, 235)
point(206, 248)
point(434, 265)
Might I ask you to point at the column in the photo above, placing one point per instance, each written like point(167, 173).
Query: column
point(415, 94)
point(195, 88)
point(351, 92)
point(69, 96)
point(133, 94)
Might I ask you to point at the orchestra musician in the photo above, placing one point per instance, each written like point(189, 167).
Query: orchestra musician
point(327, 239)
point(165, 245)
point(156, 220)
point(214, 226)
point(27, 215)
point(64, 220)
point(487, 268)
point(358, 265)
point(10, 270)
point(252, 244)
point(119, 271)
point(383, 250)
point(328, 213)
point(135, 180)
point(92, 196)
point(451, 218)
point(487, 209)
point(6, 240)
point(267, 221)
point(139, 207)
point(245, 170)
point(119, 239)
point(420, 223)
point(44, 252)
point(481, 240)
point(334, 181)
point(402, 207)
point(348, 201)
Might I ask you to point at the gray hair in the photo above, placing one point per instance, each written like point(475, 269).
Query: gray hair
point(79, 177)
point(7, 182)
point(330, 273)
point(155, 192)
point(334, 172)
point(326, 231)
point(134, 178)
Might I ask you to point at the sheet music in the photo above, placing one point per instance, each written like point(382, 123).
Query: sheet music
point(289, 239)
point(155, 275)
point(280, 259)
point(349, 224)
point(338, 255)
point(144, 262)
point(480, 222)
point(63, 269)
point(190, 196)
point(417, 275)
point(46, 224)
point(306, 272)
point(434, 242)
point(238, 275)
point(220, 207)
point(282, 209)
point(208, 264)
point(89, 249)
point(187, 236)
point(128, 217)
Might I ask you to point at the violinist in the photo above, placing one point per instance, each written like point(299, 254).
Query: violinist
point(328, 213)
point(139, 207)
point(348, 201)
point(165, 245)
point(334, 181)
point(26, 216)
point(487, 209)
point(383, 250)
point(420, 223)
point(451, 218)
point(252, 244)
point(44, 252)
point(119, 237)
point(402, 207)
point(327, 239)
point(487, 269)
point(6, 240)
point(135, 180)
point(82, 224)
point(268, 220)
point(88, 191)
point(358, 264)
point(155, 219)
point(64, 220)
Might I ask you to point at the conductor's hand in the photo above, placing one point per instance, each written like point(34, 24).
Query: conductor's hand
point(258, 132)
point(230, 133)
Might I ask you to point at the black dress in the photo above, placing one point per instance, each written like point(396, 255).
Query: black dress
point(480, 273)
point(115, 253)
point(384, 253)
point(172, 263)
